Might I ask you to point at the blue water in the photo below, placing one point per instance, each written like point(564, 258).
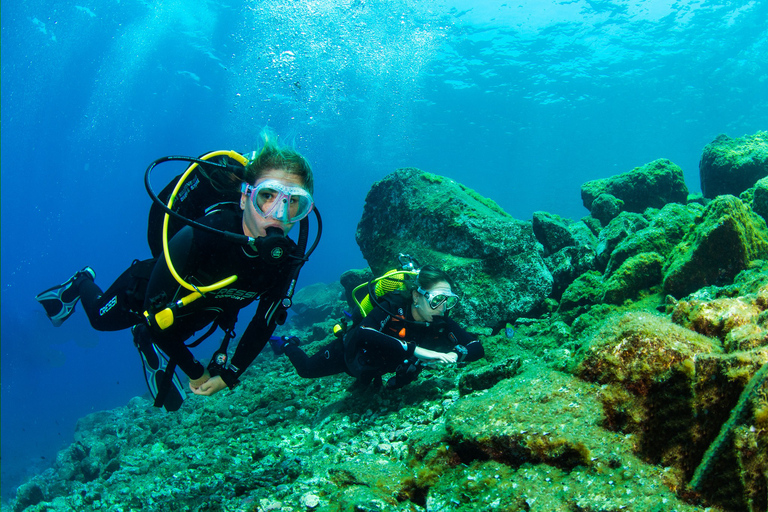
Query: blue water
point(521, 100)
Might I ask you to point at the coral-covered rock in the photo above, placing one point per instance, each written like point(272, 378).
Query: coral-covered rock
point(493, 257)
point(638, 273)
point(731, 166)
point(727, 237)
point(651, 186)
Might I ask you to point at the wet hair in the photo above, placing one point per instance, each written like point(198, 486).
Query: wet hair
point(429, 276)
point(275, 156)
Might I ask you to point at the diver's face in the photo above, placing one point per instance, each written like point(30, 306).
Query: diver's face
point(254, 224)
point(422, 311)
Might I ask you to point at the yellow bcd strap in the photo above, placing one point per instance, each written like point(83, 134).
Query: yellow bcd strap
point(164, 318)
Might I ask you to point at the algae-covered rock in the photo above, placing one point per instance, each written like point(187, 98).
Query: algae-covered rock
point(569, 248)
point(493, 257)
point(638, 273)
point(623, 226)
point(731, 166)
point(727, 237)
point(581, 294)
point(538, 439)
point(757, 198)
point(638, 350)
point(552, 232)
point(666, 229)
point(741, 323)
point(606, 207)
point(651, 186)
point(647, 366)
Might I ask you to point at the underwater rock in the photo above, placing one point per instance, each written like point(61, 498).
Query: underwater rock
point(569, 248)
point(552, 232)
point(666, 229)
point(314, 303)
point(731, 166)
point(673, 390)
point(493, 258)
point(582, 293)
point(741, 323)
point(651, 186)
point(726, 238)
point(606, 207)
point(636, 274)
point(538, 438)
point(757, 198)
point(566, 265)
point(626, 224)
point(488, 376)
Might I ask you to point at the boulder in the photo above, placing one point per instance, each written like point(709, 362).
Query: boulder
point(567, 264)
point(674, 391)
point(538, 438)
point(494, 259)
point(651, 186)
point(314, 303)
point(739, 322)
point(581, 294)
point(638, 273)
point(552, 232)
point(727, 237)
point(606, 207)
point(617, 230)
point(757, 198)
point(667, 228)
point(731, 166)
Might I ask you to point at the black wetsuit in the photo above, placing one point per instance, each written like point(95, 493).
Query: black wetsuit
point(384, 343)
point(202, 259)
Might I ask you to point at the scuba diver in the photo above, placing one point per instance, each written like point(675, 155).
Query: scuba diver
point(239, 244)
point(405, 331)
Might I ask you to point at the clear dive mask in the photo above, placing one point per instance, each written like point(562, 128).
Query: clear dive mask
point(273, 198)
point(437, 297)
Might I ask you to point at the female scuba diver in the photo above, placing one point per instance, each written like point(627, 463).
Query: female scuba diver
point(152, 297)
point(405, 331)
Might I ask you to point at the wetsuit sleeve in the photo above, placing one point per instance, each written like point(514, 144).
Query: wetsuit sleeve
point(161, 289)
point(472, 348)
point(254, 338)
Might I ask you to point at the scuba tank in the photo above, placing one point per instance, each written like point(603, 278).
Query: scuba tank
point(390, 281)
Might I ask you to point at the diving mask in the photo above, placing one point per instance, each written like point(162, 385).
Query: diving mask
point(437, 297)
point(273, 198)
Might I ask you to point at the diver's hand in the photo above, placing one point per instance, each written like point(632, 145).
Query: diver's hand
point(196, 383)
point(430, 356)
point(209, 387)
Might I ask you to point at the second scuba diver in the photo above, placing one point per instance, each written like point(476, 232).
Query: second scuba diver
point(274, 190)
point(405, 331)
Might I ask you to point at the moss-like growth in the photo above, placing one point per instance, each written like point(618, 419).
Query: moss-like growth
point(726, 239)
point(652, 185)
point(732, 165)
